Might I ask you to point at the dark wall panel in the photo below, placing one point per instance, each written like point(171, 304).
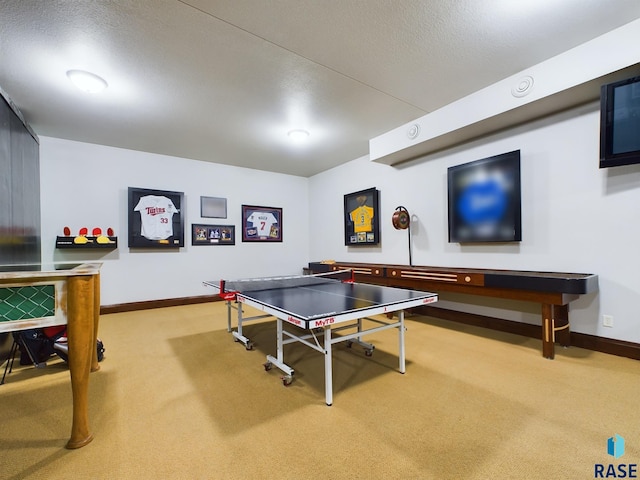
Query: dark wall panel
point(19, 197)
point(19, 191)
point(5, 172)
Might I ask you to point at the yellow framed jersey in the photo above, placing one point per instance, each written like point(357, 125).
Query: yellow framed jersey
point(362, 218)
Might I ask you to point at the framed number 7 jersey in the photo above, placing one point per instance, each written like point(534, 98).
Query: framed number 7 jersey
point(261, 224)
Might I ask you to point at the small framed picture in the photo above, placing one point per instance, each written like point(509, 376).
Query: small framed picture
point(213, 207)
point(213, 234)
point(261, 224)
point(361, 218)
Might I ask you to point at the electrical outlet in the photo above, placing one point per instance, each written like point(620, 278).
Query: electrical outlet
point(607, 320)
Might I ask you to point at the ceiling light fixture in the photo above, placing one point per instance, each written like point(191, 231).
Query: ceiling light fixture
point(298, 135)
point(86, 81)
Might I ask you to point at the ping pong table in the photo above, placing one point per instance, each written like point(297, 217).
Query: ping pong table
point(320, 306)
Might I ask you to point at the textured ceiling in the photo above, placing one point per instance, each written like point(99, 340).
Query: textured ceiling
point(225, 80)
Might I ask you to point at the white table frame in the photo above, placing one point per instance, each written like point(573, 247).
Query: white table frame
point(338, 322)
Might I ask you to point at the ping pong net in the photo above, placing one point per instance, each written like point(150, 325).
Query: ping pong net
point(229, 288)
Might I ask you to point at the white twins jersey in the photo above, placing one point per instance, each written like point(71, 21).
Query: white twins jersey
point(263, 222)
point(156, 215)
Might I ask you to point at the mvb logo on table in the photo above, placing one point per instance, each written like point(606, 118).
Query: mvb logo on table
point(615, 448)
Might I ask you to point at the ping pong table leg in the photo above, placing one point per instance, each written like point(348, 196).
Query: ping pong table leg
point(238, 335)
point(280, 341)
point(368, 347)
point(328, 369)
point(278, 360)
point(401, 340)
point(239, 329)
point(228, 315)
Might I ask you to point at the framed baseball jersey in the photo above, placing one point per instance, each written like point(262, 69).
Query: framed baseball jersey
point(155, 218)
point(261, 224)
point(361, 218)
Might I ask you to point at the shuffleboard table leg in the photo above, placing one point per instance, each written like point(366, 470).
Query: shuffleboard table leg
point(562, 330)
point(555, 326)
point(548, 331)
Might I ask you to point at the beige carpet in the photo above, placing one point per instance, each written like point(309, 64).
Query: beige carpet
point(177, 398)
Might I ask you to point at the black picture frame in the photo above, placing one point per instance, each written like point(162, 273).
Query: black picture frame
point(619, 123)
point(261, 224)
point(484, 200)
point(165, 228)
point(203, 234)
point(362, 218)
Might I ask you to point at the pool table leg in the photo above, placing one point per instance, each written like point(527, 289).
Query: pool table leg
point(82, 348)
point(95, 366)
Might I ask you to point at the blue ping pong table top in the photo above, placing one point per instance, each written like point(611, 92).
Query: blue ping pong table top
point(335, 298)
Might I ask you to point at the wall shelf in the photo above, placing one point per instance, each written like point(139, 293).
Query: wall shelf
point(68, 242)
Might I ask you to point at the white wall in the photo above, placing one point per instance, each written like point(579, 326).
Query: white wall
point(86, 185)
point(576, 218)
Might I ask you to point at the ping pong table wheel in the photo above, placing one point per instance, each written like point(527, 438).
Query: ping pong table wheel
point(368, 352)
point(267, 366)
point(249, 346)
point(349, 343)
point(286, 380)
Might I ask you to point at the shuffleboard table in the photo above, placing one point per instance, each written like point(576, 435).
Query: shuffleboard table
point(552, 290)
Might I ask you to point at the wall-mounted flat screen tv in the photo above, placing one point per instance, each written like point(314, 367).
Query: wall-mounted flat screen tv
point(620, 123)
point(484, 200)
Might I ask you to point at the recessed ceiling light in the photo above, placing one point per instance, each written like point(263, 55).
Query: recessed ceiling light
point(86, 81)
point(298, 135)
